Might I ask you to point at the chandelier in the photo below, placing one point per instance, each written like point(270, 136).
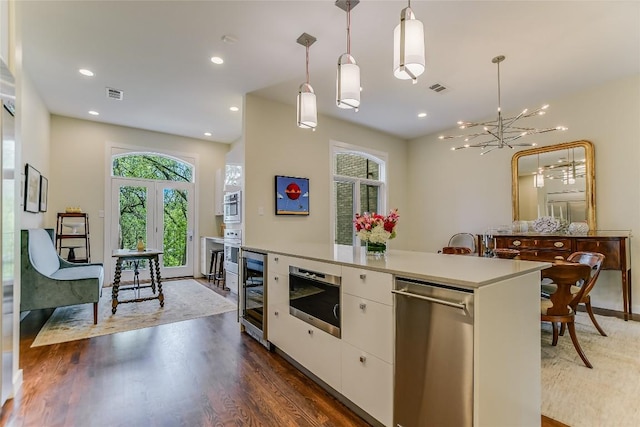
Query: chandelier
point(502, 132)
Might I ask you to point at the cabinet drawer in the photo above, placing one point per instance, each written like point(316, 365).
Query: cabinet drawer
point(368, 382)
point(368, 284)
point(609, 248)
point(556, 243)
point(368, 325)
point(277, 288)
point(543, 255)
point(278, 263)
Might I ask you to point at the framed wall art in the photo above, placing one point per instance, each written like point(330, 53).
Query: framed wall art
point(292, 195)
point(31, 189)
point(44, 190)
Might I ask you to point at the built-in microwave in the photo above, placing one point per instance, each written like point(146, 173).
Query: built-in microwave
point(315, 298)
point(232, 208)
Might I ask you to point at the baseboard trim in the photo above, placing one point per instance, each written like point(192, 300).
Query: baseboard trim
point(610, 313)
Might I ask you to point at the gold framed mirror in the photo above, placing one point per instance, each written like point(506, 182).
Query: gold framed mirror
point(555, 180)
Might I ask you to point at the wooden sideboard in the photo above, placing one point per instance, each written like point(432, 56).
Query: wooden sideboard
point(614, 245)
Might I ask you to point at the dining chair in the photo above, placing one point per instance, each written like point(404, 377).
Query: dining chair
point(594, 260)
point(560, 307)
point(467, 240)
point(456, 250)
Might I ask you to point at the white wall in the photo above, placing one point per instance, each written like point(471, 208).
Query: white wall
point(78, 171)
point(453, 191)
point(34, 134)
point(274, 145)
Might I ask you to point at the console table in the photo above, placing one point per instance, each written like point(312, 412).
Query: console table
point(154, 271)
point(614, 245)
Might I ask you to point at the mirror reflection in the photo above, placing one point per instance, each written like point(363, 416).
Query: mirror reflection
point(555, 181)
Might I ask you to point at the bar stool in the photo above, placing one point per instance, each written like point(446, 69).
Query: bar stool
point(216, 267)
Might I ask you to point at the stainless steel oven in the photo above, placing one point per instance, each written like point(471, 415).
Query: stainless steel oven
point(315, 298)
point(232, 207)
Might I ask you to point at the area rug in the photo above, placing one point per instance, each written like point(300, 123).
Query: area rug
point(183, 300)
point(606, 395)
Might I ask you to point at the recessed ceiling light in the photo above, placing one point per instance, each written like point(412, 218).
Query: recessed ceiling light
point(229, 39)
point(234, 109)
point(207, 134)
point(85, 72)
point(217, 60)
point(94, 113)
point(421, 115)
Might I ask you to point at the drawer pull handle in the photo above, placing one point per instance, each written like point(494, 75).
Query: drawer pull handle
point(363, 359)
point(276, 259)
point(517, 243)
point(276, 278)
point(363, 306)
point(310, 332)
point(276, 313)
point(558, 257)
point(558, 244)
point(363, 276)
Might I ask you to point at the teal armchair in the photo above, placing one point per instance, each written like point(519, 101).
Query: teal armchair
point(48, 281)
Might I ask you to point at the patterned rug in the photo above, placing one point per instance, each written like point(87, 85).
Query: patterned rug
point(183, 300)
point(606, 395)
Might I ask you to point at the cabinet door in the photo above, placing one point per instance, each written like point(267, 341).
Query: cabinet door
point(368, 325)
point(368, 382)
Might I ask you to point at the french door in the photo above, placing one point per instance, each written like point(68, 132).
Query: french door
point(160, 213)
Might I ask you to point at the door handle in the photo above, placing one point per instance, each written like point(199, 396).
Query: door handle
point(460, 305)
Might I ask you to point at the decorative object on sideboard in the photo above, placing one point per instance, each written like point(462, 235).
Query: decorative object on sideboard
point(376, 230)
point(548, 224)
point(578, 227)
point(292, 195)
point(501, 132)
point(307, 110)
point(505, 253)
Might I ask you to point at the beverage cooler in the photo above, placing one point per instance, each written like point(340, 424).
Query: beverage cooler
point(252, 296)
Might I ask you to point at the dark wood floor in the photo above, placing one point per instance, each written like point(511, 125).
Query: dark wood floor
point(200, 372)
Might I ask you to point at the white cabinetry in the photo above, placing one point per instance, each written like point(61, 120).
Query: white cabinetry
point(367, 341)
point(218, 193)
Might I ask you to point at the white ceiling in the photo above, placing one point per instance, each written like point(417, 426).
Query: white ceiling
point(158, 53)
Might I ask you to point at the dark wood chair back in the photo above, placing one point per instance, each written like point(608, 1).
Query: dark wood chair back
point(456, 250)
point(565, 276)
point(594, 260)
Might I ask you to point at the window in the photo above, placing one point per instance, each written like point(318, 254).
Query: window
point(151, 166)
point(358, 186)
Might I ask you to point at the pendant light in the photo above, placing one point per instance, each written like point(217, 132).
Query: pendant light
point(348, 76)
point(307, 110)
point(408, 46)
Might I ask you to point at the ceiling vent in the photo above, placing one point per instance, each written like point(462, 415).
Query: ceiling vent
point(115, 94)
point(437, 87)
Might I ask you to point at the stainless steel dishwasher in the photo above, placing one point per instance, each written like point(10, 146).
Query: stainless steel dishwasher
point(434, 355)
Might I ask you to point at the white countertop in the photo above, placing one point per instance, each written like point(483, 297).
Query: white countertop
point(462, 270)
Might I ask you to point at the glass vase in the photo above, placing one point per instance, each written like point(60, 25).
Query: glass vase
point(377, 250)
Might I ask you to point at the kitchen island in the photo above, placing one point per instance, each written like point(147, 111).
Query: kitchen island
point(360, 365)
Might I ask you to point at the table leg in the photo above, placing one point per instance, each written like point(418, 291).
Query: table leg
point(151, 275)
point(160, 294)
point(116, 286)
point(626, 294)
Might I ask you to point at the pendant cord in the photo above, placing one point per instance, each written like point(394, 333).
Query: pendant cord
point(307, 63)
point(349, 27)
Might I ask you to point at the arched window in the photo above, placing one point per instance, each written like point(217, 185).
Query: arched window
point(151, 166)
point(359, 185)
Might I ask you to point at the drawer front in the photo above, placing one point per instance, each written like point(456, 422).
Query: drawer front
point(368, 284)
point(278, 263)
point(558, 243)
point(368, 382)
point(609, 248)
point(368, 325)
point(543, 255)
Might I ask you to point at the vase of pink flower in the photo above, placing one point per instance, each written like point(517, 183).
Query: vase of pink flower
point(376, 230)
